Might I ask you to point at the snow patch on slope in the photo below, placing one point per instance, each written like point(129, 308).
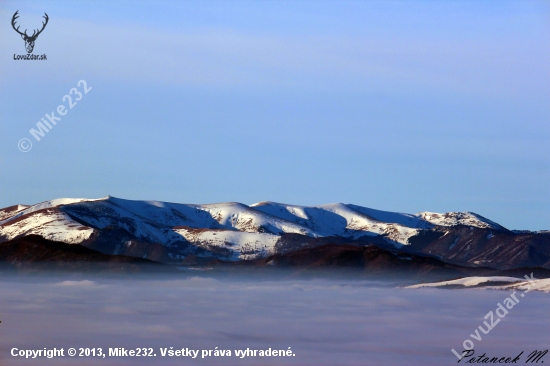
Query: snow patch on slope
point(10, 211)
point(468, 281)
point(46, 204)
point(243, 245)
point(459, 218)
point(249, 219)
point(348, 221)
point(519, 284)
point(536, 285)
point(50, 224)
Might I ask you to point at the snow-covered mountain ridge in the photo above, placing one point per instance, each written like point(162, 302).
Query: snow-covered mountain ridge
point(229, 231)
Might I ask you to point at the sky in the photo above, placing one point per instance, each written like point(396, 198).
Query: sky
point(402, 106)
point(325, 322)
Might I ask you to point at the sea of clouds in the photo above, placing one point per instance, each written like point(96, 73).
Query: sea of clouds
point(326, 322)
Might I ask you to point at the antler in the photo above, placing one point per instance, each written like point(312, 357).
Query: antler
point(15, 16)
point(34, 34)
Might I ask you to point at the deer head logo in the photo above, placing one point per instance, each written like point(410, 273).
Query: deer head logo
point(29, 40)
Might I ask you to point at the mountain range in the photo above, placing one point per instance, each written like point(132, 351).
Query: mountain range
point(181, 234)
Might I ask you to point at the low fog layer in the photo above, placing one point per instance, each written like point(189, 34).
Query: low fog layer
point(326, 322)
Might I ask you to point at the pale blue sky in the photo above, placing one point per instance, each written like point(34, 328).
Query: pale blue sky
point(403, 106)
